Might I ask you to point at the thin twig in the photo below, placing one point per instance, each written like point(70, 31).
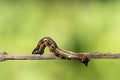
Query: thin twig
point(5, 56)
point(93, 55)
point(100, 55)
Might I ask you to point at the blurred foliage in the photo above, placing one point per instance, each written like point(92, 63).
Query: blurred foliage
point(84, 25)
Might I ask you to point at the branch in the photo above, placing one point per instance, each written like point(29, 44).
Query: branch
point(93, 55)
point(100, 55)
point(5, 56)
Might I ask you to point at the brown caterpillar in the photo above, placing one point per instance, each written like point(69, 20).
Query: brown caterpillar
point(47, 41)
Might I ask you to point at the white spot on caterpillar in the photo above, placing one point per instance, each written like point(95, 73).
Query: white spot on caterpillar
point(45, 40)
point(82, 60)
point(69, 56)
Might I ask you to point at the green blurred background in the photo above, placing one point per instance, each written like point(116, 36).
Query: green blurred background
point(80, 26)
